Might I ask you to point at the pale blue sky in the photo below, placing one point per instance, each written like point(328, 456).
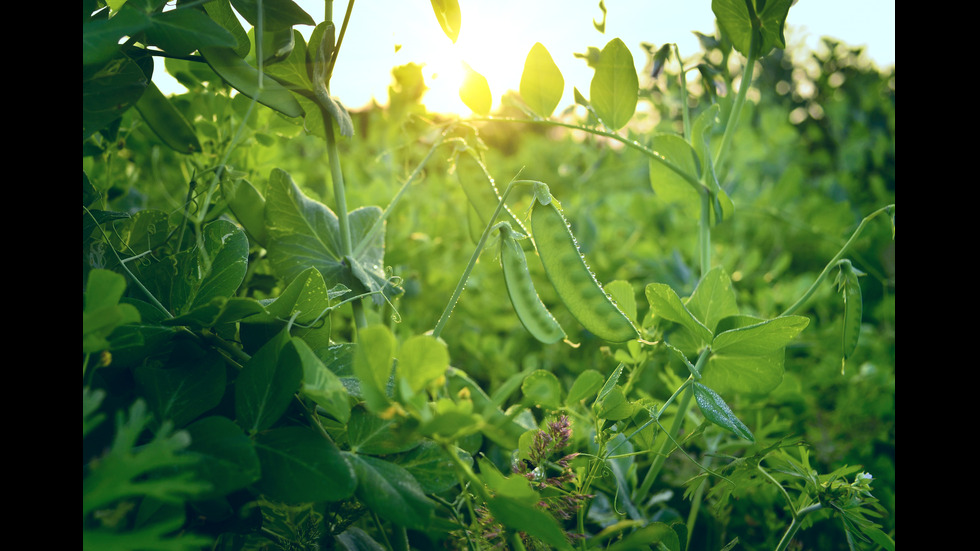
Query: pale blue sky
point(496, 36)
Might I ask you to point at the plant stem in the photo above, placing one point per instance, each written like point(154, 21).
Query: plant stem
point(340, 198)
point(441, 324)
point(682, 407)
point(739, 100)
point(833, 261)
point(795, 525)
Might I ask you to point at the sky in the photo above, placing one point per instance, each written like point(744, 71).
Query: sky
point(496, 35)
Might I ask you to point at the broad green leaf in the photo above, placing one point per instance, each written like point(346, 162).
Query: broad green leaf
point(655, 535)
point(276, 14)
point(227, 458)
point(306, 297)
point(748, 353)
point(475, 91)
point(214, 270)
point(221, 13)
point(182, 31)
point(614, 406)
point(753, 374)
point(542, 389)
point(668, 185)
point(300, 465)
point(102, 313)
point(665, 304)
point(191, 384)
point(100, 38)
point(109, 92)
point(219, 311)
point(295, 69)
point(248, 206)
point(524, 516)
point(447, 13)
point(739, 20)
point(373, 359)
point(431, 467)
point(369, 434)
point(319, 383)
point(717, 411)
point(585, 387)
point(305, 233)
point(541, 85)
point(391, 491)
point(760, 338)
point(614, 88)
point(713, 299)
point(421, 360)
point(266, 384)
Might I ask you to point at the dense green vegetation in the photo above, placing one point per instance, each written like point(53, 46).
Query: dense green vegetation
point(261, 371)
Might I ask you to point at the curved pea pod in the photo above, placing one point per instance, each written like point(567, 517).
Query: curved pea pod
point(574, 282)
point(850, 287)
point(166, 121)
point(534, 315)
point(245, 78)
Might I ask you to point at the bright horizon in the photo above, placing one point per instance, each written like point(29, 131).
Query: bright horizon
point(495, 37)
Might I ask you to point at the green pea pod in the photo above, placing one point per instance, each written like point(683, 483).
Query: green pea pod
point(245, 78)
point(166, 121)
point(574, 282)
point(248, 206)
point(850, 287)
point(534, 315)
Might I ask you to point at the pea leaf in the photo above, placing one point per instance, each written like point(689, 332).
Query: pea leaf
point(447, 13)
point(542, 389)
point(475, 91)
point(421, 360)
point(717, 411)
point(276, 14)
point(739, 19)
point(614, 88)
point(585, 386)
point(748, 353)
point(665, 303)
point(319, 383)
point(391, 491)
point(373, 359)
point(102, 313)
point(215, 268)
point(302, 466)
point(713, 299)
point(227, 458)
point(369, 434)
point(304, 232)
point(541, 85)
point(431, 467)
point(189, 385)
point(266, 384)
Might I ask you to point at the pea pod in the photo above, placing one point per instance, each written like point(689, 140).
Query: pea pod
point(574, 282)
point(245, 78)
point(848, 285)
point(166, 121)
point(534, 315)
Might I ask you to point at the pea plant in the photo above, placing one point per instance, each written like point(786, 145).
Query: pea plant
point(254, 379)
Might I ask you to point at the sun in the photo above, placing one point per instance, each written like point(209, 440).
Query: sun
point(480, 48)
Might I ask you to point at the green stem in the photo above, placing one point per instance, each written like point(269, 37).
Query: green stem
point(691, 180)
point(833, 261)
point(739, 100)
point(441, 324)
point(795, 525)
point(704, 233)
point(682, 407)
point(340, 198)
